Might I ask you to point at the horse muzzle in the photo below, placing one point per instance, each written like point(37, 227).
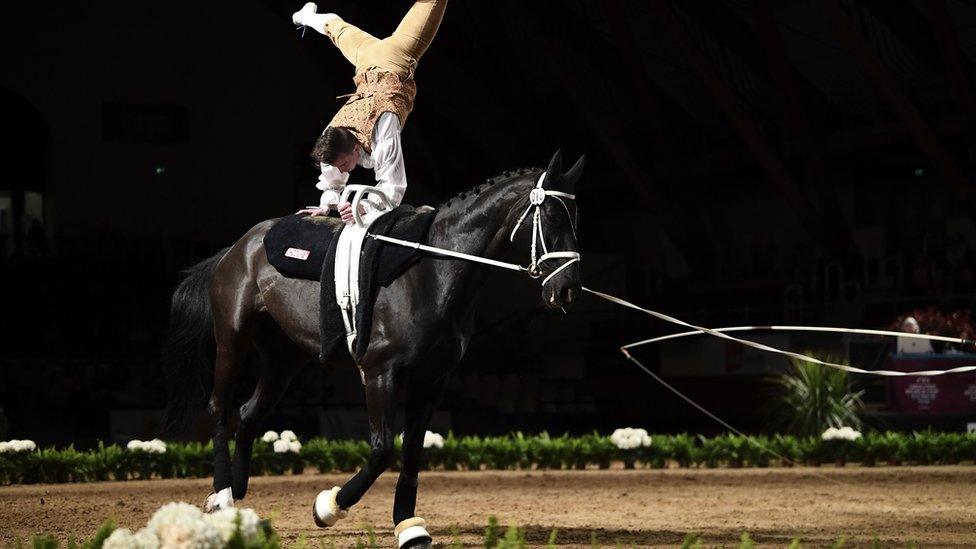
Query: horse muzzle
point(560, 296)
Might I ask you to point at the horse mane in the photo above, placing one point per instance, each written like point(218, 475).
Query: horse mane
point(500, 178)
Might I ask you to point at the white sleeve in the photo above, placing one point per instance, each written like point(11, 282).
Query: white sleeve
point(387, 156)
point(331, 182)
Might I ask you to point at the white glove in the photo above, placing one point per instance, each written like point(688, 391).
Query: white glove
point(331, 182)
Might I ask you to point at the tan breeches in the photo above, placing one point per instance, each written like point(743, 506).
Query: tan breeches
point(399, 52)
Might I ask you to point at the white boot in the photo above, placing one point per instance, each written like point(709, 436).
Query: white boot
point(411, 529)
point(326, 511)
point(216, 501)
point(299, 17)
point(308, 17)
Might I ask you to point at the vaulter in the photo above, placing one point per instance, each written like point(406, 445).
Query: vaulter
point(366, 130)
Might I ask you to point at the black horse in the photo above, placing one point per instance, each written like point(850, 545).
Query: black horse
point(236, 302)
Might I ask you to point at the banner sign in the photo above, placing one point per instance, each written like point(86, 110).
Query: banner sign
point(932, 396)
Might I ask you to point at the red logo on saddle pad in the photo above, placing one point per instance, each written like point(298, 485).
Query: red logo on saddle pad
point(297, 253)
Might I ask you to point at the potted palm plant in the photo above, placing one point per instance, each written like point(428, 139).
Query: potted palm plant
point(809, 398)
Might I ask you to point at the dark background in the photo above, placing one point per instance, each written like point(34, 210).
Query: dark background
point(748, 161)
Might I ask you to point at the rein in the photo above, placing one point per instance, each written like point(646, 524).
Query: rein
point(722, 334)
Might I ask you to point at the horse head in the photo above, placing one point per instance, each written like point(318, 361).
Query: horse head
point(558, 265)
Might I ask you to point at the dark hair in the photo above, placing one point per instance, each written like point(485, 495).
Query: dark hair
point(332, 143)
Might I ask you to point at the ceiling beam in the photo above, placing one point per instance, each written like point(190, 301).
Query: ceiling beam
point(932, 37)
point(807, 212)
point(840, 145)
point(905, 22)
point(953, 61)
point(923, 135)
point(650, 113)
point(804, 138)
point(587, 94)
point(738, 36)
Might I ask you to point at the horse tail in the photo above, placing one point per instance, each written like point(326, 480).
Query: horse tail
point(189, 350)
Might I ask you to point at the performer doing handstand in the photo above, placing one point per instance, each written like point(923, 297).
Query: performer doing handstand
point(366, 130)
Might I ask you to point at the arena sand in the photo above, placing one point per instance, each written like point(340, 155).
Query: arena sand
point(934, 506)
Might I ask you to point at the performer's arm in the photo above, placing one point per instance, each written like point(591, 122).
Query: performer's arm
point(331, 182)
point(391, 176)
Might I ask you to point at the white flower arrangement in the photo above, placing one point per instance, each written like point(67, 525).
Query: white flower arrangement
point(288, 436)
point(145, 539)
point(282, 446)
point(123, 538)
point(183, 525)
point(15, 445)
point(287, 441)
point(433, 440)
point(154, 446)
point(628, 438)
point(843, 433)
point(225, 521)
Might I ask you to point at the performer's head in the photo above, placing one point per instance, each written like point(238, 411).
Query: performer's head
point(337, 147)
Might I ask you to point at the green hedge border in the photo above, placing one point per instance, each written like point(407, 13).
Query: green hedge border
point(514, 451)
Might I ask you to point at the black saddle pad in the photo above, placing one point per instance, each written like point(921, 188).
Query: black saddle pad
point(297, 244)
point(380, 264)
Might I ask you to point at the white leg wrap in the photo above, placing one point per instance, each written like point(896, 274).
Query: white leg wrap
point(223, 499)
point(410, 529)
point(326, 510)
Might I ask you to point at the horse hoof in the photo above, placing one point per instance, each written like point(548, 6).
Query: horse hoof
point(218, 500)
point(208, 505)
point(325, 510)
point(412, 534)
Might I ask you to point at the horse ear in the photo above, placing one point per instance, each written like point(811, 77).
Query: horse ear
point(555, 170)
point(570, 178)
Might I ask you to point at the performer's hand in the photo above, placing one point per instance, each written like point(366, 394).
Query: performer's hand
point(314, 211)
point(345, 211)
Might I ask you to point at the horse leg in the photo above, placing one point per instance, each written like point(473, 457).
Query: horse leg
point(231, 299)
point(422, 400)
point(273, 379)
point(331, 505)
point(231, 347)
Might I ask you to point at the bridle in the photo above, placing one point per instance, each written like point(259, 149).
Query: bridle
point(536, 197)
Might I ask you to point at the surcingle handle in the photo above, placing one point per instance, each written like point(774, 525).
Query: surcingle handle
point(358, 192)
